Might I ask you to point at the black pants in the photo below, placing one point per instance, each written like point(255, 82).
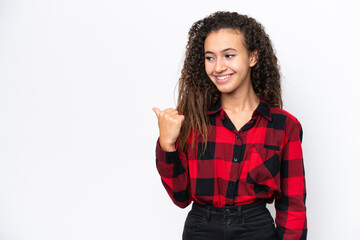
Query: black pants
point(245, 222)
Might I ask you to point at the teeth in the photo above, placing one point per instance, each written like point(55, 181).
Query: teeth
point(222, 77)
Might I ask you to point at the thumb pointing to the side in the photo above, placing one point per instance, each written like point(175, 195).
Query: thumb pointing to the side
point(157, 111)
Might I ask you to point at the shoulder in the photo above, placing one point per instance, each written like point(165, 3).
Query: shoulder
point(290, 117)
point(290, 122)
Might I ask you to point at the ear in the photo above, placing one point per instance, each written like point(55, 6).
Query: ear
point(254, 57)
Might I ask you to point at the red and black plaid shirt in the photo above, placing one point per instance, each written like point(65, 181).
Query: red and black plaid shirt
point(263, 160)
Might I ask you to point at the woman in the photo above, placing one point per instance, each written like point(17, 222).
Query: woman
point(229, 147)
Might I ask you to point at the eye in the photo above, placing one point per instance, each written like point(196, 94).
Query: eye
point(209, 58)
point(229, 55)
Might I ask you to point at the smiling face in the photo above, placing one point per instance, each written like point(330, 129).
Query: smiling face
point(227, 61)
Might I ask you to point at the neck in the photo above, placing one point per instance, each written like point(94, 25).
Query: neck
point(245, 100)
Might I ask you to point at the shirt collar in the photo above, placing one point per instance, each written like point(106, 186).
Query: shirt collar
point(263, 108)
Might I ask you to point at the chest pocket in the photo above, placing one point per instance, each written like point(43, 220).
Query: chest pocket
point(264, 167)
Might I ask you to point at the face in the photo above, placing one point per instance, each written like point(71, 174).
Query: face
point(227, 61)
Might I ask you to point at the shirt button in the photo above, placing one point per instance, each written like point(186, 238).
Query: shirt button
point(237, 136)
point(235, 160)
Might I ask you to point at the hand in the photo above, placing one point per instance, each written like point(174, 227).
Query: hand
point(170, 122)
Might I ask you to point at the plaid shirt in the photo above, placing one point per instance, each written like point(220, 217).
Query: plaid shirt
point(263, 160)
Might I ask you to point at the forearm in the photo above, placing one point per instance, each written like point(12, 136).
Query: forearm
point(290, 208)
point(172, 167)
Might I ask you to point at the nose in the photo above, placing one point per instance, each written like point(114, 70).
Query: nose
point(220, 66)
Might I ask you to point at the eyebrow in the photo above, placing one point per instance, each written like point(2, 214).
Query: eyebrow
point(225, 50)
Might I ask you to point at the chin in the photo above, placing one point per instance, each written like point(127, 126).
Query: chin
point(225, 89)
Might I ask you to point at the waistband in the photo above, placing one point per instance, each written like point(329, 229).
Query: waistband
point(261, 203)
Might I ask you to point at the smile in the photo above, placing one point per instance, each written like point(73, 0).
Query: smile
point(223, 79)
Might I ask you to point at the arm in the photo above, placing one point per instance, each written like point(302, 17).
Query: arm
point(172, 167)
point(290, 208)
point(171, 163)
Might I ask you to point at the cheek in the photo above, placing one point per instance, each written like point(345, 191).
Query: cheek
point(208, 69)
point(240, 64)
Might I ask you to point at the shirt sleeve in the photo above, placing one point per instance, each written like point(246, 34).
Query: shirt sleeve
point(290, 208)
point(173, 170)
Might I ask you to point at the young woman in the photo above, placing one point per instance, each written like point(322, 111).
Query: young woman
point(229, 147)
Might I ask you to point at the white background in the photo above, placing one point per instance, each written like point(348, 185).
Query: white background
point(78, 79)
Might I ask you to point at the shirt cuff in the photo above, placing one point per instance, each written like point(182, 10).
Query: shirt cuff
point(164, 156)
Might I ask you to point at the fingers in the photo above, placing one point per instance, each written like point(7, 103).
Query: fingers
point(169, 121)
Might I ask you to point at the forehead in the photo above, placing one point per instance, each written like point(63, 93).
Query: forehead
point(222, 39)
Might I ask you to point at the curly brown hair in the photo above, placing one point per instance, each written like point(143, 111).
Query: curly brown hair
point(196, 91)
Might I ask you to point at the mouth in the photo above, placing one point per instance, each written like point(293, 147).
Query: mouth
point(223, 78)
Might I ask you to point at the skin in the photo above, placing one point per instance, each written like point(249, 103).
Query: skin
point(225, 55)
point(170, 122)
